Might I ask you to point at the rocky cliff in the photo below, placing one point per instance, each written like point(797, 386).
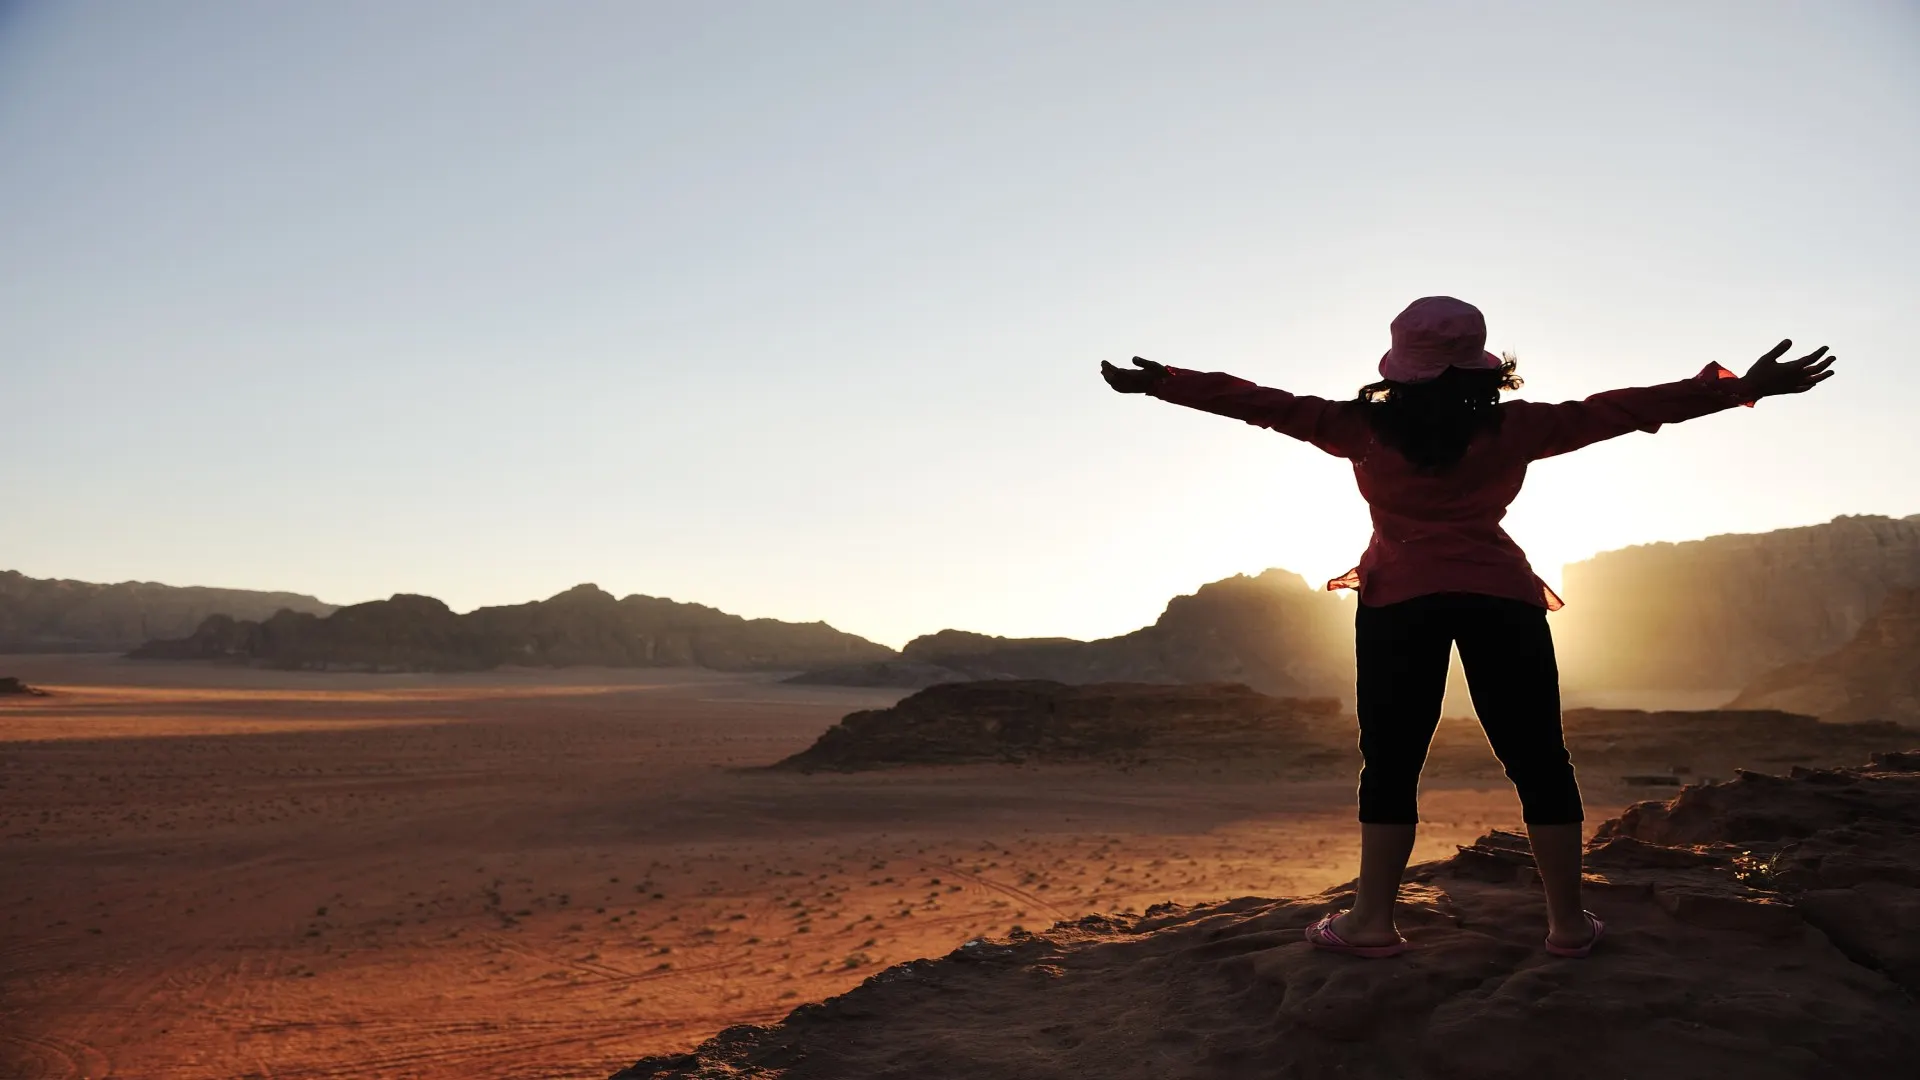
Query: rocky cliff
point(584, 625)
point(1716, 613)
point(51, 615)
point(1755, 929)
point(1272, 632)
point(1874, 676)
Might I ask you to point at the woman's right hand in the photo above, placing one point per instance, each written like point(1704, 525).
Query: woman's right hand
point(1128, 381)
point(1769, 376)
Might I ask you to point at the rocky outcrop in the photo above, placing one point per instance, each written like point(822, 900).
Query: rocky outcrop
point(12, 687)
point(1022, 720)
point(1841, 847)
point(1755, 929)
point(958, 644)
point(1685, 745)
point(1874, 676)
point(584, 625)
point(1715, 614)
point(50, 615)
point(1039, 721)
point(1272, 632)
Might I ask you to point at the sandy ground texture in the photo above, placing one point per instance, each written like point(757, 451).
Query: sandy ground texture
point(1750, 931)
point(217, 872)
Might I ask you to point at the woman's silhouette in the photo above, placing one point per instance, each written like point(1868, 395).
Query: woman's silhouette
point(1438, 457)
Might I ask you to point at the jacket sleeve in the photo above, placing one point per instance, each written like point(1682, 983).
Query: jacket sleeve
point(1545, 430)
point(1337, 427)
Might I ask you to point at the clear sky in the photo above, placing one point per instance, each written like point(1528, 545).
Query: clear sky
point(796, 309)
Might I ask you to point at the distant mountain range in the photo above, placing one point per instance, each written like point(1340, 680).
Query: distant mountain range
point(1714, 614)
point(584, 625)
point(1272, 632)
point(39, 615)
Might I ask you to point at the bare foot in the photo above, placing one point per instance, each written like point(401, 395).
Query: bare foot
point(1365, 935)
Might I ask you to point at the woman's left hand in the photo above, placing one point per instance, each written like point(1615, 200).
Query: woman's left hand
point(1769, 376)
point(1128, 381)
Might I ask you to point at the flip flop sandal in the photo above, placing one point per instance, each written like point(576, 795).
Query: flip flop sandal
point(1579, 952)
point(1321, 936)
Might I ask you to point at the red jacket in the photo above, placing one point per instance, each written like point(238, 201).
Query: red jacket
point(1441, 532)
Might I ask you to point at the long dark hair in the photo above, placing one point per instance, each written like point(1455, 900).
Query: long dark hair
point(1431, 423)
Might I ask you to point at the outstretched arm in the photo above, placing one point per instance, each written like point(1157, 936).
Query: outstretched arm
point(1336, 427)
point(1547, 430)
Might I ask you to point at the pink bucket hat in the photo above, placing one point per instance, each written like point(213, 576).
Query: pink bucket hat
point(1434, 334)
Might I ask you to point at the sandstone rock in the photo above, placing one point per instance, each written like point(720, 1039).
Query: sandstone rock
point(1871, 923)
point(583, 625)
point(1760, 808)
point(1874, 676)
point(39, 615)
point(1716, 613)
point(1707, 970)
point(1726, 906)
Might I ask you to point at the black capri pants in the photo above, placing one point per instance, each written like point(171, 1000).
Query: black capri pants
point(1402, 653)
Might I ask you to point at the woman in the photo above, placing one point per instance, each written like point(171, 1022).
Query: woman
point(1438, 457)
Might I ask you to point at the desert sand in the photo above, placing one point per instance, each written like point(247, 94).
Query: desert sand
point(223, 872)
point(1755, 929)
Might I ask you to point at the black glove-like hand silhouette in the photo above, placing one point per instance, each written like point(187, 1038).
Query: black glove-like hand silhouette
point(1128, 381)
point(1769, 377)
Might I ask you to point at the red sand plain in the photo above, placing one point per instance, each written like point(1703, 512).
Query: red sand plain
point(216, 872)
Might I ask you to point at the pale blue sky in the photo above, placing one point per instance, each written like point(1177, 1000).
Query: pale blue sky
point(796, 309)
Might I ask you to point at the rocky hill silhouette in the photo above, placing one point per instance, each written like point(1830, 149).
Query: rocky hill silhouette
point(1709, 614)
point(1272, 632)
point(53, 615)
point(1755, 929)
point(584, 625)
point(1874, 676)
point(1028, 720)
point(1715, 614)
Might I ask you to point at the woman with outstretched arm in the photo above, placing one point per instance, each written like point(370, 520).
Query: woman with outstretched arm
point(1438, 458)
